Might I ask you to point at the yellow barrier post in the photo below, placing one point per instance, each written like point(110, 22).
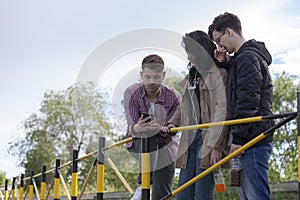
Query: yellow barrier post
point(74, 175)
point(56, 180)
point(6, 190)
point(21, 191)
point(298, 140)
point(145, 169)
point(100, 169)
point(13, 189)
point(31, 185)
point(43, 183)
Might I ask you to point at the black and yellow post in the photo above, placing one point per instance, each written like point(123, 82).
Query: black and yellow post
point(56, 180)
point(31, 185)
point(43, 183)
point(145, 169)
point(74, 175)
point(298, 140)
point(6, 190)
point(13, 188)
point(21, 190)
point(100, 169)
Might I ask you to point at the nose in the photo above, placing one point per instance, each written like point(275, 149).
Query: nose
point(152, 80)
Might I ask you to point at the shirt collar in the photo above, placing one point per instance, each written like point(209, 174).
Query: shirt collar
point(161, 94)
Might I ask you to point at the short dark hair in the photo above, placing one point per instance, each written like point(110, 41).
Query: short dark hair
point(223, 21)
point(154, 62)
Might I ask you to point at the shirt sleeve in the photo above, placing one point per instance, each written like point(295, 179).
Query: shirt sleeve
point(131, 111)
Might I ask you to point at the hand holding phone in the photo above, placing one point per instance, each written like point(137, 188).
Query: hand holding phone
point(145, 115)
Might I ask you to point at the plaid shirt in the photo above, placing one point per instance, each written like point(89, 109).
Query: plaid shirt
point(135, 103)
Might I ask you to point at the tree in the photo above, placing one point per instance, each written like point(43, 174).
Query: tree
point(67, 120)
point(174, 82)
point(36, 148)
point(2, 177)
point(285, 138)
point(64, 122)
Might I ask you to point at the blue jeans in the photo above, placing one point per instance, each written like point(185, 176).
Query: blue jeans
point(254, 174)
point(202, 189)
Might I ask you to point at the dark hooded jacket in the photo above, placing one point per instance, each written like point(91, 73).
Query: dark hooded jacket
point(249, 91)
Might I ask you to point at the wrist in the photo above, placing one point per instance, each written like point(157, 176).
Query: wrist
point(133, 130)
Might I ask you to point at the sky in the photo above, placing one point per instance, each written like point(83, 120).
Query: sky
point(44, 45)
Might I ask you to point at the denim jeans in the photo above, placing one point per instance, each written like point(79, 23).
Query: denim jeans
point(202, 189)
point(254, 174)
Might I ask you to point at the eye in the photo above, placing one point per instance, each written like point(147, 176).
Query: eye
point(156, 77)
point(147, 77)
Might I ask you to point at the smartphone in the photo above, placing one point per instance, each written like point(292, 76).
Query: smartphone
point(146, 115)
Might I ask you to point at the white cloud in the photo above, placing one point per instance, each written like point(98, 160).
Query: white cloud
point(276, 23)
point(276, 26)
point(288, 61)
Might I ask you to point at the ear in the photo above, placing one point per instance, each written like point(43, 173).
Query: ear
point(164, 75)
point(229, 31)
point(141, 73)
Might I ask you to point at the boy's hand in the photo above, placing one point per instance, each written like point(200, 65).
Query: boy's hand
point(220, 54)
point(165, 130)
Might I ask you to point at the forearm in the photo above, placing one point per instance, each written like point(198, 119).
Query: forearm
point(176, 118)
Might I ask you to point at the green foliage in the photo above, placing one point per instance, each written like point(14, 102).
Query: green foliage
point(285, 138)
point(2, 177)
point(126, 165)
point(174, 82)
point(65, 121)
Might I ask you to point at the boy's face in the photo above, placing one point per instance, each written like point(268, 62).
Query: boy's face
point(152, 79)
point(223, 40)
